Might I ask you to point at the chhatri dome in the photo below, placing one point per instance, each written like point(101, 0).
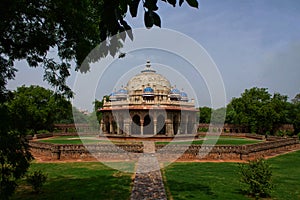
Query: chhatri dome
point(154, 107)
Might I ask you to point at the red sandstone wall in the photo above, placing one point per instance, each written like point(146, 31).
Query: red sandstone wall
point(164, 152)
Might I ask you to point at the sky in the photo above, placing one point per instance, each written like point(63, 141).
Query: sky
point(254, 43)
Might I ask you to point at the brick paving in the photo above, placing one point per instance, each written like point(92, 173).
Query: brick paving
point(148, 183)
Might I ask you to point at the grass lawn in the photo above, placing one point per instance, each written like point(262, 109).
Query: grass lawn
point(222, 140)
point(221, 181)
point(81, 140)
point(79, 181)
point(70, 140)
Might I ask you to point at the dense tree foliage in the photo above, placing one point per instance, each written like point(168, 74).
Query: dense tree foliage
point(29, 29)
point(259, 110)
point(295, 113)
point(14, 154)
point(205, 114)
point(97, 106)
point(36, 108)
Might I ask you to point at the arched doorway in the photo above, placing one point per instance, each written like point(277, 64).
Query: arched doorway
point(148, 125)
point(107, 125)
point(136, 125)
point(161, 125)
point(175, 124)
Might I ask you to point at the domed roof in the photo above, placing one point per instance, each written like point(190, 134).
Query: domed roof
point(183, 94)
point(175, 91)
point(148, 78)
point(122, 91)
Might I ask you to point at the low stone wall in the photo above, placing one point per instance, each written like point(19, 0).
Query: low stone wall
point(89, 151)
point(164, 152)
point(228, 152)
point(247, 135)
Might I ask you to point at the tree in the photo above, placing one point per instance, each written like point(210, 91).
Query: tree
point(230, 115)
point(30, 29)
point(14, 155)
point(36, 108)
point(295, 113)
point(98, 105)
point(205, 114)
point(259, 110)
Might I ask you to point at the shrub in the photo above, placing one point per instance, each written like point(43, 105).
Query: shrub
point(256, 178)
point(42, 131)
point(36, 180)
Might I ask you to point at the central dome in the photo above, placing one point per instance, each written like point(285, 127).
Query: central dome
point(148, 78)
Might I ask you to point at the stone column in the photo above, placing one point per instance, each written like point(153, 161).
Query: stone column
point(169, 128)
point(142, 127)
point(154, 128)
point(118, 128)
point(102, 126)
point(127, 125)
point(111, 127)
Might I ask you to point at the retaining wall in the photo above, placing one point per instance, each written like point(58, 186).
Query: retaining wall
point(164, 152)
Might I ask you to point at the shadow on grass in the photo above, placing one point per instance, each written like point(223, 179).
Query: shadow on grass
point(97, 187)
point(190, 190)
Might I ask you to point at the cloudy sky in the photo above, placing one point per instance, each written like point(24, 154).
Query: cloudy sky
point(252, 42)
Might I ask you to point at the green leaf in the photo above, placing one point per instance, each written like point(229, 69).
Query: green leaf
point(151, 5)
point(148, 19)
point(156, 19)
point(193, 3)
point(133, 7)
point(123, 6)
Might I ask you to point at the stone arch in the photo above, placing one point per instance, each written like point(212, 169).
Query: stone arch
point(136, 125)
point(175, 124)
point(161, 125)
point(148, 125)
point(107, 124)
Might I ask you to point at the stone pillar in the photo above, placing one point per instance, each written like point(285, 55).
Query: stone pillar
point(111, 127)
point(118, 128)
point(102, 126)
point(154, 128)
point(127, 127)
point(169, 128)
point(142, 127)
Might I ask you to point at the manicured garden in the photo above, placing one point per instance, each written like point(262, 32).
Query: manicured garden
point(71, 140)
point(222, 140)
point(80, 140)
point(182, 180)
point(221, 180)
point(79, 181)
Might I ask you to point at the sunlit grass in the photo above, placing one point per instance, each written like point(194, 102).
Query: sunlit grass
point(221, 180)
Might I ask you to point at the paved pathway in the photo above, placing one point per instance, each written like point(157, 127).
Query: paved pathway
point(148, 183)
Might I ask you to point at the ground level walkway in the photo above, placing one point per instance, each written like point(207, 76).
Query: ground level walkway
point(148, 183)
